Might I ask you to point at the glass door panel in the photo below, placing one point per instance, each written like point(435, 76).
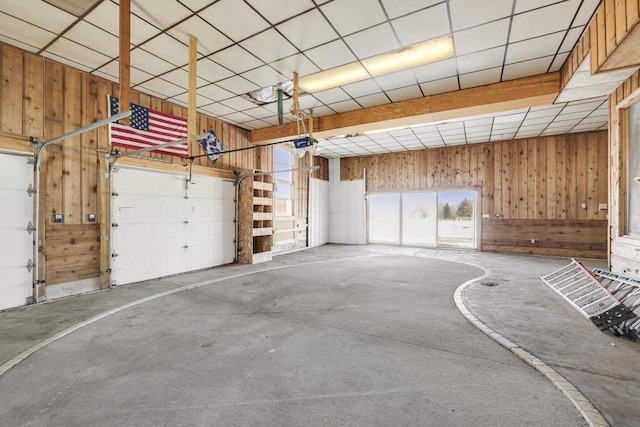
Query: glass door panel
point(456, 218)
point(419, 216)
point(384, 218)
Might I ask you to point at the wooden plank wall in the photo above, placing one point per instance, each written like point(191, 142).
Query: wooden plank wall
point(575, 59)
point(45, 99)
point(525, 185)
point(625, 251)
point(614, 26)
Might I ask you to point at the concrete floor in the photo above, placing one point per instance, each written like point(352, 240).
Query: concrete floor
point(338, 335)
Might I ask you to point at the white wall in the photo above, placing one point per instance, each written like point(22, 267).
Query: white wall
point(318, 212)
point(347, 208)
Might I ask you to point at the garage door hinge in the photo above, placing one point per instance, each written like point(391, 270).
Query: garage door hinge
point(186, 246)
point(114, 224)
point(185, 221)
point(30, 228)
point(114, 194)
point(113, 255)
point(31, 191)
point(30, 266)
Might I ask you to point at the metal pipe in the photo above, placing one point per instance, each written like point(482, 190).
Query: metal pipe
point(239, 180)
point(36, 210)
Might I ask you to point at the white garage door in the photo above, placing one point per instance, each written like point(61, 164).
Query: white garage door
point(16, 244)
point(163, 225)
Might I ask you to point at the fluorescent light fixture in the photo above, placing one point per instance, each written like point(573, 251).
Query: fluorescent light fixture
point(372, 132)
point(334, 77)
point(410, 56)
point(396, 60)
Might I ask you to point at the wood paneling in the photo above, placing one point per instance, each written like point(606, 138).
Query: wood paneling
point(539, 180)
point(72, 252)
point(614, 36)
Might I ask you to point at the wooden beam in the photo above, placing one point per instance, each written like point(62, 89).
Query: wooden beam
point(494, 98)
point(125, 56)
point(192, 117)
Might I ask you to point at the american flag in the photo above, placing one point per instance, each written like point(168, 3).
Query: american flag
point(148, 128)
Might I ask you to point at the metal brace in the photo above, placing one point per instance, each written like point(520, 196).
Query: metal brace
point(113, 255)
point(30, 266)
point(31, 191)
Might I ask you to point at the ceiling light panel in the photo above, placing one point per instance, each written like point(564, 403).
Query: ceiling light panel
point(334, 77)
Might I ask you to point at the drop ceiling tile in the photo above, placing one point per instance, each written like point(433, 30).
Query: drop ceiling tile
point(212, 72)
point(209, 39)
point(264, 76)
point(332, 95)
point(556, 17)
point(585, 106)
point(526, 68)
point(258, 112)
point(278, 10)
point(344, 106)
point(471, 123)
point(401, 132)
point(440, 86)
point(40, 14)
point(347, 16)
point(584, 128)
point(238, 103)
point(563, 124)
point(396, 80)
point(447, 134)
point(256, 124)
point(105, 16)
point(558, 61)
point(78, 54)
point(538, 121)
point(480, 78)
point(66, 61)
point(105, 76)
point(374, 41)
point(556, 131)
point(448, 126)
point(571, 39)
point(509, 118)
point(402, 94)
point(424, 25)
point(373, 100)
point(180, 77)
point(217, 110)
point(594, 120)
point(331, 55)
point(322, 111)
point(587, 9)
point(308, 30)
point(237, 85)
point(183, 99)
point(436, 71)
point(526, 5)
point(269, 46)
point(531, 134)
point(481, 60)
point(149, 63)
point(571, 116)
point(225, 15)
point(169, 49)
point(397, 8)
point(273, 121)
point(236, 59)
point(468, 13)
point(163, 87)
point(534, 48)
point(425, 130)
point(309, 101)
point(238, 117)
point(365, 87)
point(483, 37)
point(28, 34)
point(298, 63)
point(137, 76)
point(95, 38)
point(476, 140)
point(546, 111)
point(161, 13)
point(486, 129)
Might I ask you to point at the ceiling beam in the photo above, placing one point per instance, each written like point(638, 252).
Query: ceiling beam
point(494, 98)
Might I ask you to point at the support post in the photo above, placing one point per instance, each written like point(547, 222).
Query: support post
point(125, 56)
point(193, 73)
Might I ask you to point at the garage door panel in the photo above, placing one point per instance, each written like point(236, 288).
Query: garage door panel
point(150, 210)
point(133, 238)
point(149, 183)
point(16, 247)
point(131, 209)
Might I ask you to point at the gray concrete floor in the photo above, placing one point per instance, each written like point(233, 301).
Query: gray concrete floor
point(338, 335)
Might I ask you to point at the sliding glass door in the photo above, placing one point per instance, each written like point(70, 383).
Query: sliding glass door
point(435, 218)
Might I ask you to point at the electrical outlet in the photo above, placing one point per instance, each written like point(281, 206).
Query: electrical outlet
point(533, 240)
point(91, 217)
point(485, 216)
point(57, 218)
point(602, 206)
point(584, 206)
